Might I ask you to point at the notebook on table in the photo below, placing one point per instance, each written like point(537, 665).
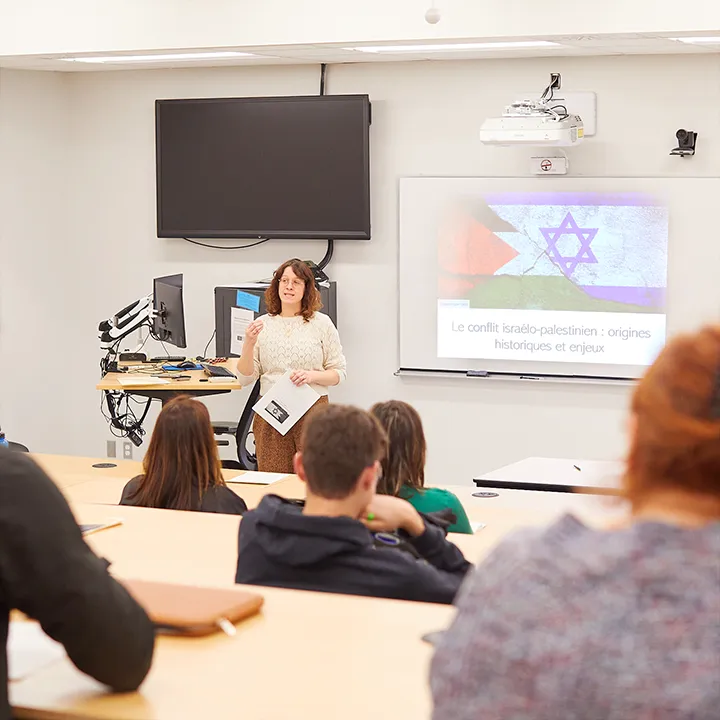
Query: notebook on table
point(194, 611)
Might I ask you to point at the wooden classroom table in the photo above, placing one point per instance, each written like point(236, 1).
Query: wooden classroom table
point(313, 655)
point(108, 491)
point(307, 655)
point(499, 509)
point(69, 470)
point(81, 482)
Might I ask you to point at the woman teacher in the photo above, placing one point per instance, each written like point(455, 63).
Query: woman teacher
point(293, 336)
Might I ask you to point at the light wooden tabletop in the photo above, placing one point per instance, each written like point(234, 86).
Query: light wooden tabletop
point(111, 381)
point(69, 470)
point(82, 482)
point(308, 655)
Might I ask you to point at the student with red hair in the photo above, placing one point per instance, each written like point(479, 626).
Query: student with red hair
point(572, 622)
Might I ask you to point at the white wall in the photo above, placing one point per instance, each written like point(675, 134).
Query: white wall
point(48, 26)
point(426, 117)
point(36, 262)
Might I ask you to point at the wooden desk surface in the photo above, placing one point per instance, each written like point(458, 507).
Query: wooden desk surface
point(80, 482)
point(69, 470)
point(107, 491)
point(83, 484)
point(330, 655)
point(201, 548)
point(111, 381)
point(308, 655)
point(166, 545)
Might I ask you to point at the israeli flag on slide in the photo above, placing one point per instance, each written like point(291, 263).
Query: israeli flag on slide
point(614, 247)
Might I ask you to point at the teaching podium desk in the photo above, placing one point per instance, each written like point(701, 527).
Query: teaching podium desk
point(198, 385)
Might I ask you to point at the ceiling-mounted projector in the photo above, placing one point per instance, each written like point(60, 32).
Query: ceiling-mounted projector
point(533, 123)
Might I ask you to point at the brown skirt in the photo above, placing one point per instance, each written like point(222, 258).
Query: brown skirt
point(275, 452)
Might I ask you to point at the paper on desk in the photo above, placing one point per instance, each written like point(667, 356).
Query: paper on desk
point(284, 404)
point(29, 649)
point(240, 318)
point(477, 526)
point(257, 478)
point(142, 380)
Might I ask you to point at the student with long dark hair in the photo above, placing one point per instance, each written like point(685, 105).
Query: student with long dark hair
point(404, 464)
point(182, 465)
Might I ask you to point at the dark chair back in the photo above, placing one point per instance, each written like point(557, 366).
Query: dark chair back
point(247, 460)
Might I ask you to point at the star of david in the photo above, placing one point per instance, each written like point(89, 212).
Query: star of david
point(568, 226)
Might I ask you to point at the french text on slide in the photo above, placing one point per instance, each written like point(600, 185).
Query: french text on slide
point(554, 336)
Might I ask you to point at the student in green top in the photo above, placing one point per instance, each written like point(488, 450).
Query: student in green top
point(404, 465)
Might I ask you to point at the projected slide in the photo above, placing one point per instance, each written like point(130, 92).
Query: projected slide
point(552, 276)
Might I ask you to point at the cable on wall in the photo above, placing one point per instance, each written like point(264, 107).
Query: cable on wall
point(226, 247)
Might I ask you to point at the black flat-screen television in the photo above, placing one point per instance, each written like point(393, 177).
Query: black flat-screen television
point(264, 167)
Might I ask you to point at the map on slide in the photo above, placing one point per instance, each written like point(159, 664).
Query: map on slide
point(579, 251)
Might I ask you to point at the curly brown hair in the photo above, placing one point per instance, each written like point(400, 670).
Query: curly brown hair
point(311, 302)
point(677, 437)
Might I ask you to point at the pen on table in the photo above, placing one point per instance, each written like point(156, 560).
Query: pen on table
point(226, 626)
point(577, 468)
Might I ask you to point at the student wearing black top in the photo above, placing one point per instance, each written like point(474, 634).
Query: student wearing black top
point(49, 573)
point(328, 543)
point(182, 465)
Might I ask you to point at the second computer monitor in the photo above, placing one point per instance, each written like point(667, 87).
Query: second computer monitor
point(169, 321)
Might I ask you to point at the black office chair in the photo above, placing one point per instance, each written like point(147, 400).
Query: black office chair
point(242, 430)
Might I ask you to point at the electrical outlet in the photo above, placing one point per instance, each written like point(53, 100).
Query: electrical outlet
point(112, 448)
point(127, 451)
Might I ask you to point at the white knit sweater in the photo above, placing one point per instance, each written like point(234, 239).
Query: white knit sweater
point(290, 343)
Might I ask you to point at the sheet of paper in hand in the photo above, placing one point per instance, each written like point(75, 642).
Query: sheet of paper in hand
point(284, 404)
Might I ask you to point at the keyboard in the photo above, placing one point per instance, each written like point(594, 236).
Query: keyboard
point(217, 371)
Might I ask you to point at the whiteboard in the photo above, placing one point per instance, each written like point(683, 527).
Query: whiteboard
point(624, 293)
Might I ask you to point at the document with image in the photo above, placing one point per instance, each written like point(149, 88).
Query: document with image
point(240, 318)
point(285, 404)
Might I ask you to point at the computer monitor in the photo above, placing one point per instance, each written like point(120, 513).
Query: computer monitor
point(169, 321)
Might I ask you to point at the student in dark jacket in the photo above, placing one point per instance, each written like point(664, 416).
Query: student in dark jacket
point(327, 544)
point(182, 465)
point(49, 573)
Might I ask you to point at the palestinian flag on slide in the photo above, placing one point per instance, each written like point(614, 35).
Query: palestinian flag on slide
point(556, 251)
